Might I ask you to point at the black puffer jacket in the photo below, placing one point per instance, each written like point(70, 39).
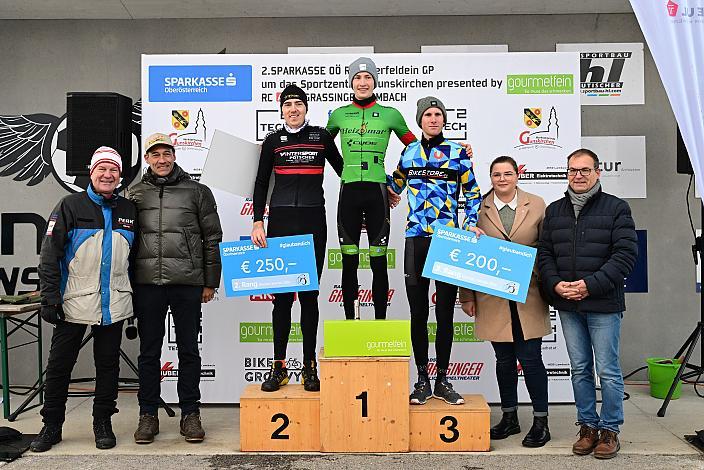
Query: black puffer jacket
point(179, 231)
point(600, 247)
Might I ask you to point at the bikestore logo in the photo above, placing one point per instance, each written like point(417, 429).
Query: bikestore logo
point(263, 332)
point(541, 133)
point(363, 295)
point(247, 209)
point(335, 258)
point(200, 83)
point(458, 370)
point(258, 369)
point(558, 174)
point(540, 84)
point(600, 72)
point(169, 372)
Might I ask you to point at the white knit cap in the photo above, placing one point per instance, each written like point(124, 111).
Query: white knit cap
point(105, 155)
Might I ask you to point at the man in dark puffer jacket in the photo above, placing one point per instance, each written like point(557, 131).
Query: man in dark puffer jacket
point(177, 266)
point(588, 246)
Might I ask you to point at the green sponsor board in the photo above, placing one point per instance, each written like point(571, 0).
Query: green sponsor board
point(463, 332)
point(335, 258)
point(540, 84)
point(361, 338)
point(263, 332)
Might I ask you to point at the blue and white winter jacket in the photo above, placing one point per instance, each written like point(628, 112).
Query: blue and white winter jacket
point(85, 258)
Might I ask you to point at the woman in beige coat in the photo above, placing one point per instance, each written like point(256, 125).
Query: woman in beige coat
point(514, 329)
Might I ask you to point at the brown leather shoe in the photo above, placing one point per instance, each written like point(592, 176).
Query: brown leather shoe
point(588, 439)
point(191, 428)
point(608, 445)
point(147, 428)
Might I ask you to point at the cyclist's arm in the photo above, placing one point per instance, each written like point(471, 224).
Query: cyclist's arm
point(398, 125)
point(397, 181)
point(332, 154)
point(261, 182)
point(333, 125)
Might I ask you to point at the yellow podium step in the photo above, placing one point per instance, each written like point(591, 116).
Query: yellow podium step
point(364, 404)
point(437, 426)
point(285, 420)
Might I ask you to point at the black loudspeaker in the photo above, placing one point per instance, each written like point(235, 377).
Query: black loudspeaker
point(94, 119)
point(684, 166)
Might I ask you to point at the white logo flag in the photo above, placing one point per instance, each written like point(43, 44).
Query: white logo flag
point(674, 30)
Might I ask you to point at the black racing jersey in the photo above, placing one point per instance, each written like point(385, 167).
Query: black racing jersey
point(298, 162)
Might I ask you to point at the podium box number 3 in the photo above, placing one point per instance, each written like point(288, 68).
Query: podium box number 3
point(364, 404)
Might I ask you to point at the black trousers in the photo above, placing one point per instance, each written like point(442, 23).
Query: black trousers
point(416, 251)
point(151, 305)
point(65, 343)
point(364, 203)
point(529, 353)
point(285, 221)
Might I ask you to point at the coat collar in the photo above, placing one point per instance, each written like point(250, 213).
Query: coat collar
point(492, 212)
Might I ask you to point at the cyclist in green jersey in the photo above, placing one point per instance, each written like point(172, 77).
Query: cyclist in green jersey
point(365, 127)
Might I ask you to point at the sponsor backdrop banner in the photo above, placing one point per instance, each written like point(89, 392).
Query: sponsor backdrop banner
point(521, 104)
point(610, 73)
point(622, 163)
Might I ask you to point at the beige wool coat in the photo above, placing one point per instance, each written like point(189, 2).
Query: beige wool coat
point(493, 316)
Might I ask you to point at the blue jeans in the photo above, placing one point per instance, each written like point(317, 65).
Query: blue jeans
point(589, 336)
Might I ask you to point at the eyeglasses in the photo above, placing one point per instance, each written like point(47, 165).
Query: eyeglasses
point(507, 175)
point(581, 171)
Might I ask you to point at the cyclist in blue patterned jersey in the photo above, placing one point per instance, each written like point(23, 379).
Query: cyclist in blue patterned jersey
point(436, 171)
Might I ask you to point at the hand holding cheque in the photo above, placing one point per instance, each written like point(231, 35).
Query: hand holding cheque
point(485, 264)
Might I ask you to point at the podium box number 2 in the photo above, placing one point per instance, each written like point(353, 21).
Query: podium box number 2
point(285, 420)
point(364, 404)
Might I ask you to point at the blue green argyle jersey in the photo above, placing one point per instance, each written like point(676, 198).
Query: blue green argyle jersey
point(434, 183)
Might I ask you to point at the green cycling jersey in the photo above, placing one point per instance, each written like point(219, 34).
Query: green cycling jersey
point(364, 136)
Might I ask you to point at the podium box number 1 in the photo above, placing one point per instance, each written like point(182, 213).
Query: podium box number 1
point(364, 404)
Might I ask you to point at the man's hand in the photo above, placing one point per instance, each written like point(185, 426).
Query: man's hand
point(477, 231)
point(207, 295)
point(469, 307)
point(468, 149)
point(581, 287)
point(394, 198)
point(52, 313)
point(259, 234)
point(566, 290)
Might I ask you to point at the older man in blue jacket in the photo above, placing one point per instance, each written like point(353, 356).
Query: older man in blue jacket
point(587, 247)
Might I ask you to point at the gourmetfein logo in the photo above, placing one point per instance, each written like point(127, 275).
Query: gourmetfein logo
point(200, 83)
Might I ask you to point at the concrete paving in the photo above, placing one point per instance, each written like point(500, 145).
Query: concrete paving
point(646, 442)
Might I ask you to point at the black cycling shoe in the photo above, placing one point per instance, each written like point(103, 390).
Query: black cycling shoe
point(309, 377)
point(421, 391)
point(444, 391)
point(278, 377)
point(539, 434)
point(506, 427)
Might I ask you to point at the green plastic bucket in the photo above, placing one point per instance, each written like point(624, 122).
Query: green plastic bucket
point(661, 373)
